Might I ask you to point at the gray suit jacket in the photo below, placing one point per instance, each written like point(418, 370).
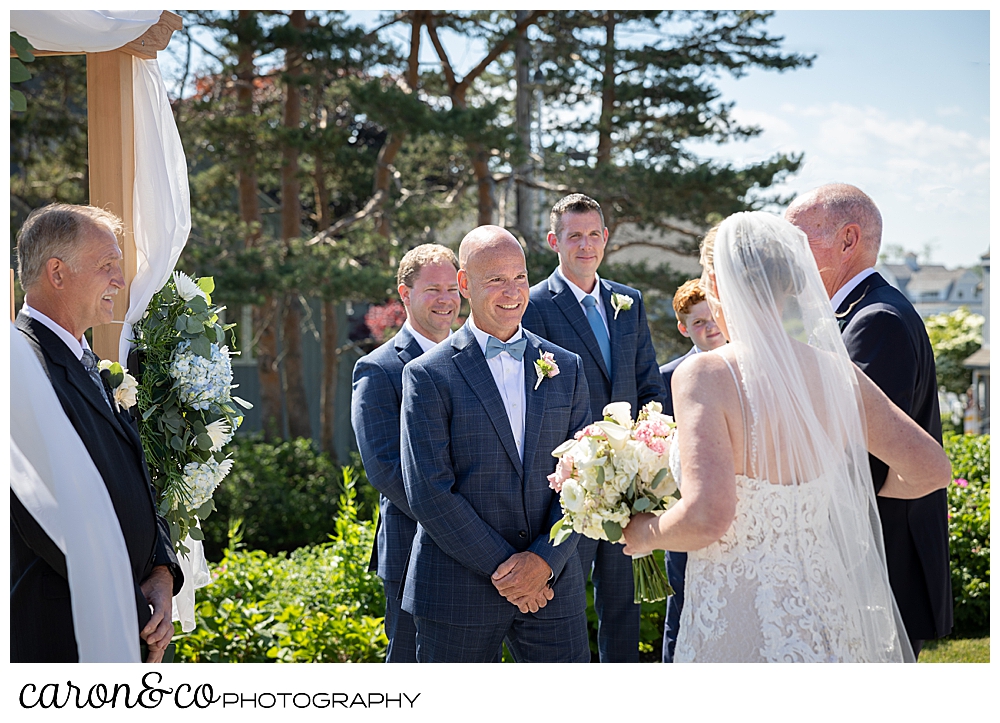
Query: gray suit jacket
point(476, 502)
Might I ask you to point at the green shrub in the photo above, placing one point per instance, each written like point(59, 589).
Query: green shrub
point(319, 604)
point(285, 492)
point(969, 531)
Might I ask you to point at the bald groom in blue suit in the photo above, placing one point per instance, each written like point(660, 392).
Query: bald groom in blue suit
point(478, 429)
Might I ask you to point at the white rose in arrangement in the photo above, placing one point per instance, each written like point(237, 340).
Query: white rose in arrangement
point(585, 454)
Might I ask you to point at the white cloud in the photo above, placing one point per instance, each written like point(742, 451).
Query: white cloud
point(929, 179)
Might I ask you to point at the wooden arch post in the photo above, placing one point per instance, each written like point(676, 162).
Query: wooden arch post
point(111, 150)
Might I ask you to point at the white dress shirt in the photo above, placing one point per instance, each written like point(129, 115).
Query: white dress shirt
point(75, 345)
point(844, 291)
point(580, 293)
point(508, 373)
point(425, 344)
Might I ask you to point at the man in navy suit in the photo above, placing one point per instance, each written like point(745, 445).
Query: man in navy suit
point(886, 338)
point(428, 288)
point(695, 321)
point(579, 311)
point(69, 263)
point(478, 429)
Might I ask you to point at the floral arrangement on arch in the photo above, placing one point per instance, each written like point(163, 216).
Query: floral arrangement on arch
point(187, 411)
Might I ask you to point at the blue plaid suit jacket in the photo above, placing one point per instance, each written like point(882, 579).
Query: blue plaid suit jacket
point(554, 314)
point(376, 396)
point(475, 501)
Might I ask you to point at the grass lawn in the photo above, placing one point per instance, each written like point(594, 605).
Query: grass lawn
point(961, 650)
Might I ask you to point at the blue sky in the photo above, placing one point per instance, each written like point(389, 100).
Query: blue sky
point(896, 102)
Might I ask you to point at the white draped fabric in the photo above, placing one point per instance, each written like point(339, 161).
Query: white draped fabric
point(75, 31)
point(54, 478)
point(161, 198)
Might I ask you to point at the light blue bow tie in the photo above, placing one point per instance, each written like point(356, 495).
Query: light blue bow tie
point(515, 348)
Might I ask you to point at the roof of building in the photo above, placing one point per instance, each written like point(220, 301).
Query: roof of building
point(980, 359)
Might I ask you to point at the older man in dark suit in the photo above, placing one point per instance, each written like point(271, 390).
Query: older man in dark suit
point(605, 323)
point(886, 338)
point(479, 426)
point(429, 290)
point(69, 265)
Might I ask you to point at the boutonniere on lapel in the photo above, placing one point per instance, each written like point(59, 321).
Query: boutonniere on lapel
point(545, 367)
point(123, 385)
point(621, 302)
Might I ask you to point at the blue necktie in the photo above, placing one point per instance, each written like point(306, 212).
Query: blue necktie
point(515, 348)
point(597, 324)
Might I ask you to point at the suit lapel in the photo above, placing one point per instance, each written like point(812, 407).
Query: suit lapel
point(407, 347)
point(472, 365)
point(566, 301)
point(850, 304)
point(535, 406)
point(60, 355)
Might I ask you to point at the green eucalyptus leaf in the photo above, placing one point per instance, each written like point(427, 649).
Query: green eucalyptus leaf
point(197, 305)
point(641, 505)
point(206, 284)
point(22, 47)
point(177, 443)
point(613, 530)
point(205, 510)
point(204, 442)
point(600, 476)
point(18, 73)
point(659, 478)
point(202, 347)
point(194, 325)
point(18, 103)
point(195, 533)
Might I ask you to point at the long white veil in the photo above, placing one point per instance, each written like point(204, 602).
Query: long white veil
point(806, 425)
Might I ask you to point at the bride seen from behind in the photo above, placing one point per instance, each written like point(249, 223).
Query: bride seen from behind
point(778, 508)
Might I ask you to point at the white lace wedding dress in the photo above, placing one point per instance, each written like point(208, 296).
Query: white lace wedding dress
point(768, 590)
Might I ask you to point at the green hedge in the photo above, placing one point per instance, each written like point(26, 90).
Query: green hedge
point(969, 531)
point(286, 494)
point(319, 604)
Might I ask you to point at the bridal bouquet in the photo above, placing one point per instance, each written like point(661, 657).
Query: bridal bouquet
point(611, 470)
point(188, 413)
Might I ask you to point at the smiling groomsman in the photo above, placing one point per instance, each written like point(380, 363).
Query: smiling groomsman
point(605, 323)
point(479, 426)
point(428, 287)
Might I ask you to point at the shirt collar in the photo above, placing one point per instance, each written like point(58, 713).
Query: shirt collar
point(580, 293)
point(482, 336)
point(75, 345)
point(844, 291)
point(425, 344)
